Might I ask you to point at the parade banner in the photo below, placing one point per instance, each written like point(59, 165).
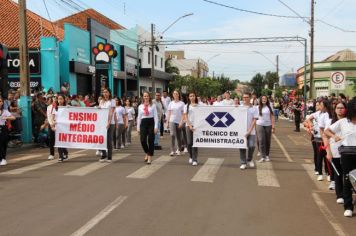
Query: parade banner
point(220, 127)
point(83, 128)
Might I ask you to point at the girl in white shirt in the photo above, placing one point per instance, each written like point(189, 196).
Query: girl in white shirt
point(265, 128)
point(147, 125)
point(130, 111)
point(4, 135)
point(121, 125)
point(175, 113)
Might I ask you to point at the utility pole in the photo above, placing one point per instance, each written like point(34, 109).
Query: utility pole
point(277, 64)
point(198, 69)
point(311, 71)
point(153, 60)
point(25, 100)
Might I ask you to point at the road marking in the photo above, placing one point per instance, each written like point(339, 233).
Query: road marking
point(99, 217)
point(299, 140)
point(25, 158)
point(148, 170)
point(266, 175)
point(208, 171)
point(282, 148)
point(328, 215)
point(95, 166)
point(309, 168)
point(36, 166)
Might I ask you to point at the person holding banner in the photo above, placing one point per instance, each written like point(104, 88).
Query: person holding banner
point(188, 115)
point(109, 103)
point(175, 113)
point(265, 127)
point(147, 125)
point(252, 116)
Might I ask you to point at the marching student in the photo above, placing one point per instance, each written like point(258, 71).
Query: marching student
point(166, 100)
point(61, 101)
point(108, 102)
point(188, 116)
point(346, 128)
point(227, 101)
point(333, 153)
point(175, 113)
point(265, 127)
point(252, 116)
point(121, 125)
point(51, 135)
point(5, 115)
point(160, 109)
point(130, 111)
point(147, 125)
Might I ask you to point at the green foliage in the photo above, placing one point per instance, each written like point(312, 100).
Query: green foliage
point(227, 84)
point(278, 92)
point(257, 84)
point(267, 92)
point(270, 79)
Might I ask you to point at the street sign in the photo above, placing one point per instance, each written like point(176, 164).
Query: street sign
point(338, 80)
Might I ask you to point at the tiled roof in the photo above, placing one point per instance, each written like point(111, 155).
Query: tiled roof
point(80, 20)
point(36, 26)
point(344, 55)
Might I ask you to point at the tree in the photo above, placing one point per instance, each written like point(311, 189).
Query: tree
point(226, 84)
point(257, 84)
point(270, 79)
point(204, 87)
point(171, 69)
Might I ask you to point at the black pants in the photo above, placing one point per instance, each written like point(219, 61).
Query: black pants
point(320, 158)
point(4, 139)
point(62, 152)
point(162, 127)
point(348, 163)
point(147, 135)
point(52, 139)
point(339, 184)
point(297, 122)
point(315, 150)
point(110, 136)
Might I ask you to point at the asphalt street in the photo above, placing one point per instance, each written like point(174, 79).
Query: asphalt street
point(170, 197)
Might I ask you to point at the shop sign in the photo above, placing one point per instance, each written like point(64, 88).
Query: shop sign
point(104, 53)
point(338, 80)
point(82, 56)
point(14, 83)
point(13, 62)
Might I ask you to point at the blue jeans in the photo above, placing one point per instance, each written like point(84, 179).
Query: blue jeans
point(158, 134)
point(251, 140)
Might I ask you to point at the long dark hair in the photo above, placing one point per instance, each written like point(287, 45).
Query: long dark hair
point(196, 100)
point(64, 99)
point(351, 109)
point(334, 116)
point(327, 105)
point(260, 106)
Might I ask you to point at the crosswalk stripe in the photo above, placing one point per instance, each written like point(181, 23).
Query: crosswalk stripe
point(24, 158)
point(36, 166)
point(309, 168)
point(94, 166)
point(208, 171)
point(148, 170)
point(266, 175)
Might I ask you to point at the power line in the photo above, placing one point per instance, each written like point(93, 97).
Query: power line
point(49, 17)
point(299, 16)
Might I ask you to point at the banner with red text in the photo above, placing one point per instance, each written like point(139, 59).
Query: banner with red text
point(81, 127)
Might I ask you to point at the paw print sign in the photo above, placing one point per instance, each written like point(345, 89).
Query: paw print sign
point(104, 52)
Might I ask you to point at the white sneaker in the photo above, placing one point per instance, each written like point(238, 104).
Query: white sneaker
point(261, 160)
point(122, 147)
point(190, 160)
point(243, 166)
point(348, 213)
point(267, 159)
point(195, 163)
point(340, 201)
point(171, 154)
point(102, 159)
point(332, 185)
point(316, 173)
point(50, 157)
point(3, 162)
point(320, 178)
point(329, 178)
point(258, 154)
point(185, 150)
point(251, 164)
point(98, 153)
point(178, 153)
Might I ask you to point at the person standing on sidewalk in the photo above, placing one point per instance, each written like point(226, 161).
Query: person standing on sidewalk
point(147, 125)
point(297, 109)
point(346, 127)
point(252, 116)
point(265, 127)
point(130, 117)
point(5, 115)
point(188, 116)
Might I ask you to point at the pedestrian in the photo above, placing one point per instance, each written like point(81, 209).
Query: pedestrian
point(5, 116)
point(130, 111)
point(147, 125)
point(227, 101)
point(166, 100)
point(121, 125)
point(252, 116)
point(346, 128)
point(218, 101)
point(51, 124)
point(159, 106)
point(174, 118)
point(61, 101)
point(39, 115)
point(276, 108)
point(297, 108)
point(108, 103)
point(188, 115)
point(265, 127)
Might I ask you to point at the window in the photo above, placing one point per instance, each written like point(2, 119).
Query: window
point(149, 58)
point(161, 62)
point(155, 60)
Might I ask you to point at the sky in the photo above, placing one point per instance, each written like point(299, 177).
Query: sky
point(210, 21)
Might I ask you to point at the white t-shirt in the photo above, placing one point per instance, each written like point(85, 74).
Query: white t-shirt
point(130, 113)
point(323, 119)
point(316, 116)
point(166, 101)
point(216, 103)
point(120, 112)
point(252, 112)
point(265, 119)
point(334, 147)
point(347, 131)
point(176, 109)
point(108, 104)
point(229, 102)
point(4, 114)
point(190, 113)
point(152, 113)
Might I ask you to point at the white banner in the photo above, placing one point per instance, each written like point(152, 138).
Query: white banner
point(220, 127)
point(83, 128)
point(338, 80)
